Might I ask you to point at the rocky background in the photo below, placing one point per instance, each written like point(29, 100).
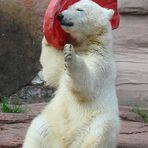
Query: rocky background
point(20, 42)
point(20, 46)
point(131, 53)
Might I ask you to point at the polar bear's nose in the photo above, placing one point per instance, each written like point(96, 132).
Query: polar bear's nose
point(60, 16)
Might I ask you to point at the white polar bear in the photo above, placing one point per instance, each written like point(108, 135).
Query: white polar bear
point(84, 111)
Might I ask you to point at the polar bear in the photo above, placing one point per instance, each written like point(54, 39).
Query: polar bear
point(84, 112)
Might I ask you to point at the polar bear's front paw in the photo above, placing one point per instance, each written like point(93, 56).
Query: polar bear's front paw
point(69, 56)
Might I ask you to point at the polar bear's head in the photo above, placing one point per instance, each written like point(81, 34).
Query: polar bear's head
point(85, 18)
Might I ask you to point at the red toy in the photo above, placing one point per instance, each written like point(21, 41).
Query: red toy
point(53, 32)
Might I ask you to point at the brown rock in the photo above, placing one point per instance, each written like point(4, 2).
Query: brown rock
point(12, 135)
point(133, 135)
point(133, 6)
point(127, 115)
point(20, 42)
point(9, 118)
point(131, 54)
point(13, 127)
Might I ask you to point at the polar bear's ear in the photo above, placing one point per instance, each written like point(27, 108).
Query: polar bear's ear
point(110, 13)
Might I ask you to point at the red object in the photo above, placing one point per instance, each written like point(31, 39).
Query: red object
point(53, 32)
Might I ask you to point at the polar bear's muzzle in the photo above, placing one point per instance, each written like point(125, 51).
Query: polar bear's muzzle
point(67, 24)
point(63, 21)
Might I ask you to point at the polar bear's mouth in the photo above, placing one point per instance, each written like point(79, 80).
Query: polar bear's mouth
point(67, 24)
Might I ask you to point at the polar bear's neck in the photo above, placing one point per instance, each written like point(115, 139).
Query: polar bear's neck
point(99, 42)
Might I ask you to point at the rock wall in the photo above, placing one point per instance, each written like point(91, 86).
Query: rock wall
point(131, 54)
point(133, 6)
point(20, 42)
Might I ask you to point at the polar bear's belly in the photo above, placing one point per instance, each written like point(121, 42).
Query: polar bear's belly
point(56, 135)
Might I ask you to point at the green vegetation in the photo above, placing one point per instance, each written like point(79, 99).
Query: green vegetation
point(142, 113)
point(5, 107)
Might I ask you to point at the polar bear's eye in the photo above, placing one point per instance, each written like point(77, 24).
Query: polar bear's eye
point(78, 9)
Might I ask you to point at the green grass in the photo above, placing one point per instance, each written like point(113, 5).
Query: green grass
point(142, 113)
point(5, 107)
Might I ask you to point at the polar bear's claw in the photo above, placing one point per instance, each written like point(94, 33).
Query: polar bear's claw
point(69, 55)
point(68, 49)
point(68, 46)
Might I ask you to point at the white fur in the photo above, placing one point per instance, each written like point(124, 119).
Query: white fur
point(84, 111)
point(52, 61)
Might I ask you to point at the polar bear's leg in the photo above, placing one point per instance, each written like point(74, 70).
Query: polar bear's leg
point(37, 133)
point(77, 69)
point(103, 133)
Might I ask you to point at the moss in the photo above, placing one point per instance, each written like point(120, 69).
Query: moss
point(142, 113)
point(5, 107)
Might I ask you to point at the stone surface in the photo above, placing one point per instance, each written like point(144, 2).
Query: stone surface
point(20, 42)
point(38, 80)
point(133, 6)
point(127, 115)
point(32, 94)
point(134, 134)
point(131, 55)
